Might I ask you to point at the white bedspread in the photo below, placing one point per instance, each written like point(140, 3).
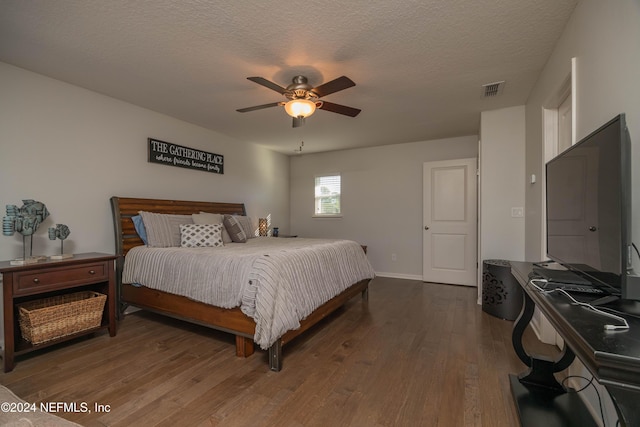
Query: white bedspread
point(275, 281)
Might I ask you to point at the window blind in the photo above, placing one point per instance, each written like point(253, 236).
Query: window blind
point(327, 195)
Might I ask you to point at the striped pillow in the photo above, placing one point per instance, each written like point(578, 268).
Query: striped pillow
point(163, 230)
point(235, 230)
point(247, 226)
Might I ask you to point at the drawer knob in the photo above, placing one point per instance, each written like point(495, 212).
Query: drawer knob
point(92, 272)
point(36, 280)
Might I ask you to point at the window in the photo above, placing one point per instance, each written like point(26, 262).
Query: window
point(327, 196)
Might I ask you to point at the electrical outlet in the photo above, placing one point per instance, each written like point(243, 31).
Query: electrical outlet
point(517, 212)
point(394, 257)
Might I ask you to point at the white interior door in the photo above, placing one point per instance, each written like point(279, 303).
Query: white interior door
point(565, 138)
point(571, 227)
point(449, 246)
point(559, 125)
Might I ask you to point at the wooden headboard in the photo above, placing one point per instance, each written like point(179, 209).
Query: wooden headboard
point(124, 208)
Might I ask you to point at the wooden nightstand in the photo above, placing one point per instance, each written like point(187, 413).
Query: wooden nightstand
point(22, 283)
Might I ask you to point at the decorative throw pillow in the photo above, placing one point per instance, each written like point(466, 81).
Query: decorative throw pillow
point(139, 226)
point(200, 235)
point(163, 230)
point(247, 226)
point(234, 229)
point(211, 218)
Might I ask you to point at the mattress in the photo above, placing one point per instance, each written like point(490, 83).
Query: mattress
point(275, 281)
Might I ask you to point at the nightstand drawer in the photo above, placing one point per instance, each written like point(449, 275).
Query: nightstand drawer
point(58, 278)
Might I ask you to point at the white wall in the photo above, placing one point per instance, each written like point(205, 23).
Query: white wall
point(73, 149)
point(502, 184)
point(381, 198)
point(603, 37)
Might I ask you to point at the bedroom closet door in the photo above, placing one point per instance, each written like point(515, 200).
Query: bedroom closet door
point(449, 247)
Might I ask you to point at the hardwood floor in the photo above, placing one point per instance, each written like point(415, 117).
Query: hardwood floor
point(417, 354)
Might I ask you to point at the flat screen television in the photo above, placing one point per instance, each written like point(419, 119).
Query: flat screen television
point(589, 207)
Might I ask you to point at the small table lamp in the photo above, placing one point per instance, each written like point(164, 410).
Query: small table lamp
point(262, 227)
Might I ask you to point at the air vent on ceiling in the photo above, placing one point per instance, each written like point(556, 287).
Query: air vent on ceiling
point(491, 90)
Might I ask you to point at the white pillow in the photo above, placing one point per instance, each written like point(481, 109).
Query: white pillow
point(201, 235)
point(211, 218)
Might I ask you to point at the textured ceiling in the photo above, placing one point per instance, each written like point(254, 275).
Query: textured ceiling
point(419, 66)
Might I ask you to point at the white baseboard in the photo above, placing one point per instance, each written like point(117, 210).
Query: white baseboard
point(131, 309)
point(399, 276)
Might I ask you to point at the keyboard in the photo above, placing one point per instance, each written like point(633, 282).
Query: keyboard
point(569, 287)
point(561, 276)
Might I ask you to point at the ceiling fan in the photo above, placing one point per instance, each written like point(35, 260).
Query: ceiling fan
point(304, 99)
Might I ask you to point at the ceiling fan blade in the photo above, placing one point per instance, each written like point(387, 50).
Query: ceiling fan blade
point(333, 86)
point(259, 107)
point(266, 83)
point(298, 121)
point(340, 109)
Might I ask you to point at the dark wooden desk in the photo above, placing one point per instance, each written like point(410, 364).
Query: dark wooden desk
point(612, 357)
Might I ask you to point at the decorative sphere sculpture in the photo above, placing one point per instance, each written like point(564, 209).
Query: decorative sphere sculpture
point(60, 231)
point(24, 220)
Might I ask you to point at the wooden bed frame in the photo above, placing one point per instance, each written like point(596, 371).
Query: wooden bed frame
point(228, 320)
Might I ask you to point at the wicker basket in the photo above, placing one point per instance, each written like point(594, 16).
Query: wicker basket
point(56, 317)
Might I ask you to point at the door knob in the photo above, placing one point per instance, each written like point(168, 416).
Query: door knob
point(426, 227)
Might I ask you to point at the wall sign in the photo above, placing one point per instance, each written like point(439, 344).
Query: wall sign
point(167, 153)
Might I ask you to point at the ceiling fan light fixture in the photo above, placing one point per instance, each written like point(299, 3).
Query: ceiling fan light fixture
point(300, 108)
